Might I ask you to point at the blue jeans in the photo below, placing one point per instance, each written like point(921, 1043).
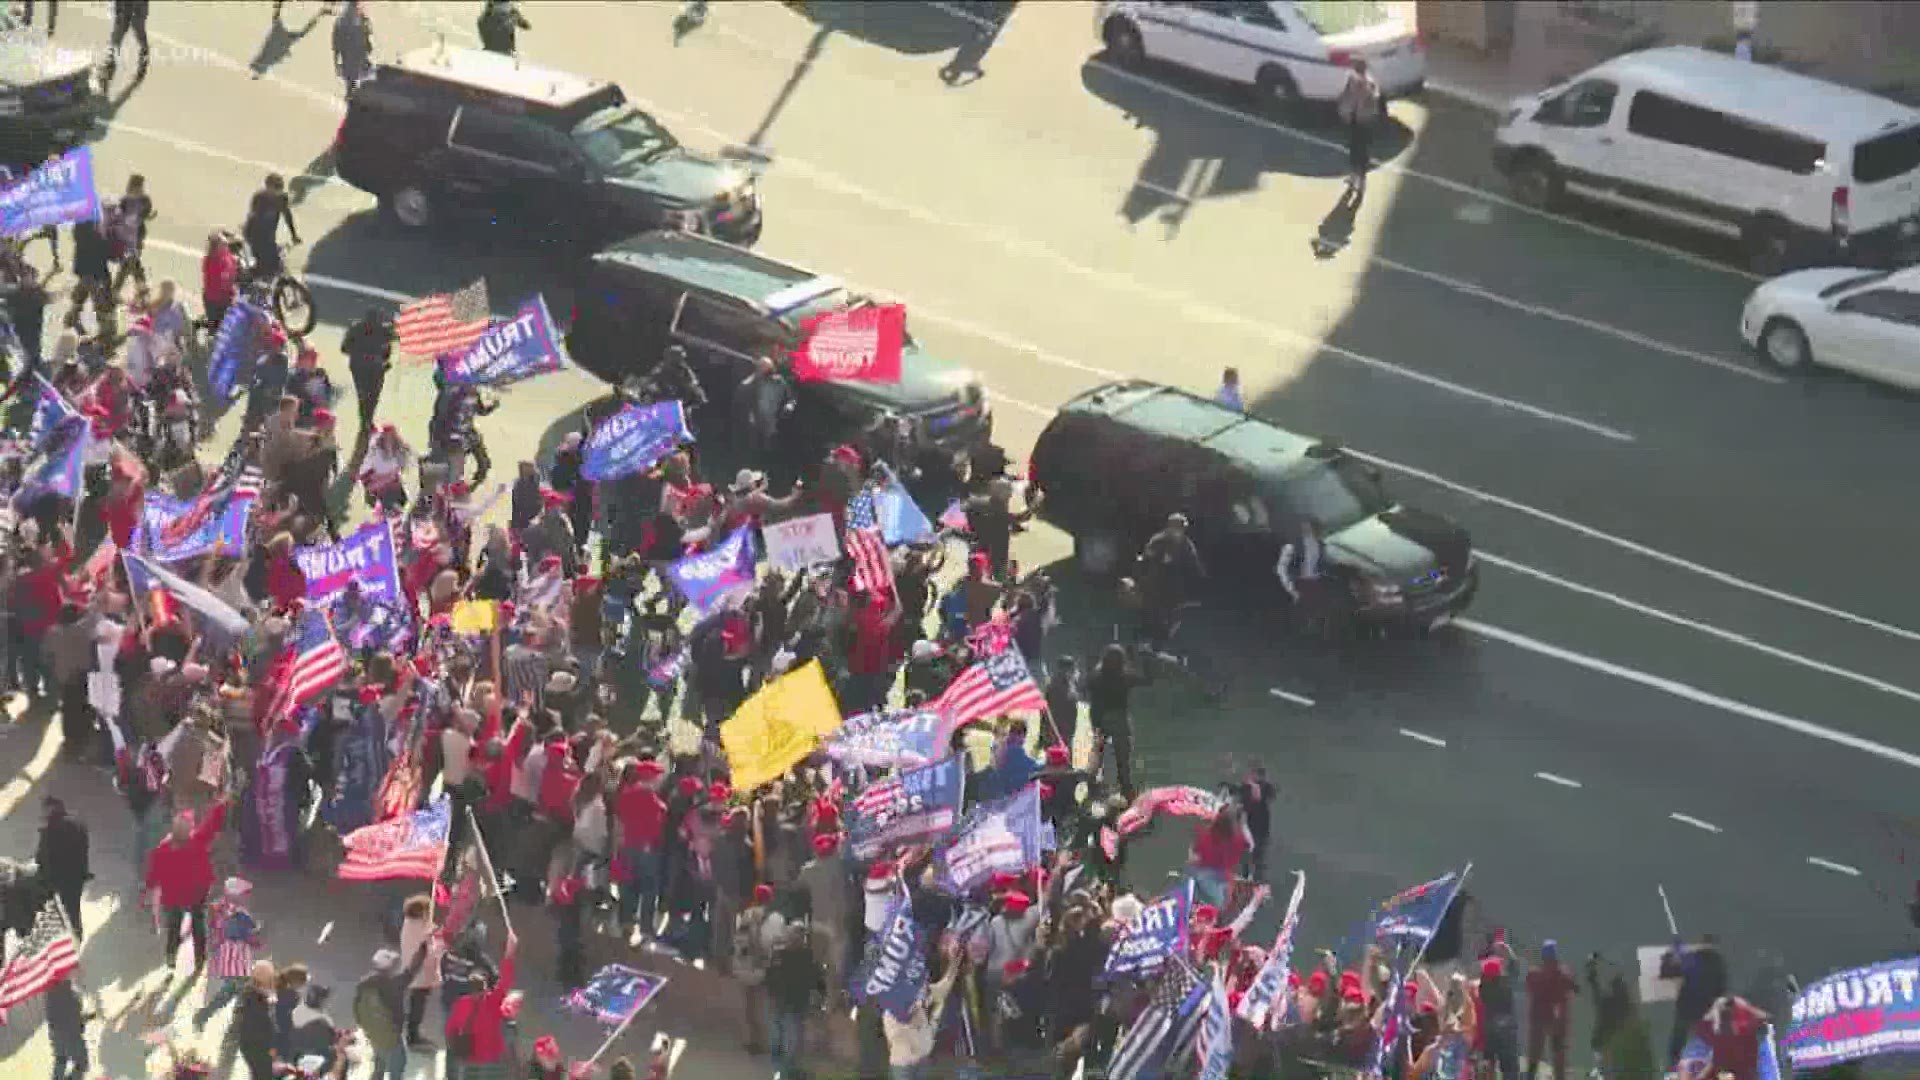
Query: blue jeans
point(786, 1035)
point(1209, 886)
point(640, 897)
point(390, 1064)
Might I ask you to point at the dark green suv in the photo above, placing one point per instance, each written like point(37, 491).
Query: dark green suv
point(728, 306)
point(1116, 461)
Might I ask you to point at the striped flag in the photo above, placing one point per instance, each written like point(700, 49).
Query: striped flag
point(1163, 1029)
point(1264, 1004)
point(444, 322)
point(413, 846)
point(318, 662)
point(1769, 1067)
point(46, 957)
point(872, 568)
point(995, 686)
point(1213, 1043)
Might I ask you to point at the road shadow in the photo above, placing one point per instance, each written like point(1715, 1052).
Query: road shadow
point(313, 176)
point(279, 43)
point(1199, 154)
point(915, 29)
point(1337, 227)
point(364, 249)
point(965, 68)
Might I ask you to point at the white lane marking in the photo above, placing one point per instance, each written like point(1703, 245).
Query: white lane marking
point(1395, 167)
point(1829, 864)
point(1480, 292)
point(325, 933)
point(1555, 778)
point(181, 142)
point(1157, 189)
point(1423, 737)
point(1708, 629)
point(1638, 548)
point(1581, 528)
point(1474, 213)
point(1287, 695)
point(331, 102)
point(1689, 819)
point(1692, 693)
point(964, 15)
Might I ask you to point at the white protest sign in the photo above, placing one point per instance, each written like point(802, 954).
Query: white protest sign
point(798, 543)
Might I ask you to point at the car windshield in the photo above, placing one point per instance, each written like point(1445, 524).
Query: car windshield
point(623, 136)
point(1334, 495)
point(1330, 17)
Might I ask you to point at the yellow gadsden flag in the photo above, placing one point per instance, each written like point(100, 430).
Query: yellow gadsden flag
point(778, 726)
point(474, 618)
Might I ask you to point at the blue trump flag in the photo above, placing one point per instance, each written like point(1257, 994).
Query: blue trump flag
point(58, 193)
point(893, 973)
point(890, 740)
point(915, 805)
point(997, 837)
point(1158, 933)
point(632, 439)
point(887, 505)
point(1411, 916)
point(615, 993)
point(236, 345)
point(364, 755)
point(511, 350)
point(61, 468)
point(50, 410)
point(365, 556)
point(172, 530)
point(710, 578)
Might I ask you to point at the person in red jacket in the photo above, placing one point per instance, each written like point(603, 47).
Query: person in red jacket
point(126, 495)
point(180, 875)
point(219, 276)
point(476, 1028)
point(286, 582)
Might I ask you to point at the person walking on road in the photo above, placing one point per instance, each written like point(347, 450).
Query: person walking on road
point(1359, 107)
point(236, 934)
point(369, 348)
point(180, 875)
point(67, 1030)
point(1550, 992)
point(1109, 692)
point(1702, 972)
point(500, 25)
point(380, 1008)
point(127, 15)
point(353, 45)
point(63, 859)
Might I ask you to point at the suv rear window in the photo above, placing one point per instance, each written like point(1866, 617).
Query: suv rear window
point(1888, 156)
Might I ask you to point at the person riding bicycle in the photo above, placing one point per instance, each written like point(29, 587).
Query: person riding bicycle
point(1169, 567)
point(269, 206)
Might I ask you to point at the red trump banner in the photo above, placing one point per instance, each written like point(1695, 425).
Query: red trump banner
point(853, 344)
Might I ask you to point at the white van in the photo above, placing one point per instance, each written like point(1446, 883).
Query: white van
point(1799, 169)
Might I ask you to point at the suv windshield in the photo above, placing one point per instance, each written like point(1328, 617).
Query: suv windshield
point(1335, 495)
point(1330, 17)
point(622, 136)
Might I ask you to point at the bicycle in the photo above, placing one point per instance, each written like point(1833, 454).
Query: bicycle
point(285, 293)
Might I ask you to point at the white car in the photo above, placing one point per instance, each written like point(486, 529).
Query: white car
point(1287, 50)
point(1863, 321)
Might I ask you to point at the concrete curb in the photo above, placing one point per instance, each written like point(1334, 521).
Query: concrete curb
point(1479, 99)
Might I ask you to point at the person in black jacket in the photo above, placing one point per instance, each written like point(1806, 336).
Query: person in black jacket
point(93, 278)
point(500, 23)
point(62, 856)
point(796, 986)
point(369, 348)
point(254, 1031)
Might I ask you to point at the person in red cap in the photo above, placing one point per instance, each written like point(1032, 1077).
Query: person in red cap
point(476, 1025)
point(640, 816)
point(1499, 1016)
point(1011, 934)
point(756, 933)
point(551, 533)
point(833, 926)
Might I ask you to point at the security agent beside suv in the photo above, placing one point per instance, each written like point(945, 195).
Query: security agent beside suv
point(731, 309)
point(1278, 518)
point(449, 134)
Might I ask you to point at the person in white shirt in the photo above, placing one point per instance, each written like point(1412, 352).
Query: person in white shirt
point(1299, 566)
point(383, 471)
point(1229, 392)
point(910, 1042)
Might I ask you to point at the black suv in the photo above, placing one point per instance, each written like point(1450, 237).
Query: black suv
point(1115, 461)
point(456, 133)
point(47, 97)
point(728, 306)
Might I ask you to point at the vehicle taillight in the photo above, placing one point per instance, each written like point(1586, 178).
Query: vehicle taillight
point(1339, 58)
point(1842, 210)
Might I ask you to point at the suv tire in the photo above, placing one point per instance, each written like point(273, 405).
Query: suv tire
point(1274, 89)
point(1098, 554)
point(411, 206)
point(1123, 43)
point(1535, 181)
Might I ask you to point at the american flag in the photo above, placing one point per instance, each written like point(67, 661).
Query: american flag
point(862, 513)
point(46, 957)
point(443, 322)
point(318, 661)
point(872, 567)
point(1264, 1005)
point(993, 687)
point(468, 883)
point(1164, 1028)
point(1213, 1043)
point(992, 637)
point(413, 846)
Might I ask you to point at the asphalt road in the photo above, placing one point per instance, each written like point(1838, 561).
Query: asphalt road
point(1691, 663)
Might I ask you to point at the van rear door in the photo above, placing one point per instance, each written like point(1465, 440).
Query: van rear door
point(1886, 179)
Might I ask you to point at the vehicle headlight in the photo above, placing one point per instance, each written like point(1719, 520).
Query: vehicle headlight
point(975, 395)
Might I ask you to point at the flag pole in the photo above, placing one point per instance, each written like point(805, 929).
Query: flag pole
point(486, 860)
point(1673, 927)
point(617, 1032)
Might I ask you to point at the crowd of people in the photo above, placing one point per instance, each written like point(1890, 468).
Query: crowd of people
point(541, 670)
